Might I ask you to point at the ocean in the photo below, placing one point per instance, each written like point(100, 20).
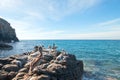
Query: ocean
point(101, 57)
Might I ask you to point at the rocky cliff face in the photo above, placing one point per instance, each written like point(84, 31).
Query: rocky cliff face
point(7, 33)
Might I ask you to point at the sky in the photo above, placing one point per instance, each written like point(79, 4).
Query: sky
point(63, 19)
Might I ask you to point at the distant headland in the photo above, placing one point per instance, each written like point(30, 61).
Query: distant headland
point(7, 33)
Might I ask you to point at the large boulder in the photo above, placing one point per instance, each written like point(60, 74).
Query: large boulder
point(7, 33)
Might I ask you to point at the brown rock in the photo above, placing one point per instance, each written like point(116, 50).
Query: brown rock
point(10, 67)
point(34, 78)
point(23, 70)
point(12, 75)
point(3, 75)
point(43, 77)
point(20, 75)
point(1, 65)
point(5, 60)
point(56, 68)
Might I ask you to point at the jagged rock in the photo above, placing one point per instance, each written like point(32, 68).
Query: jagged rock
point(10, 67)
point(17, 62)
point(34, 78)
point(47, 57)
point(11, 75)
point(44, 77)
point(5, 60)
point(23, 70)
point(56, 68)
point(3, 75)
point(7, 33)
point(1, 65)
point(51, 66)
point(19, 76)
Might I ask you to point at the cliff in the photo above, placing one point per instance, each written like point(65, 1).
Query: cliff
point(7, 33)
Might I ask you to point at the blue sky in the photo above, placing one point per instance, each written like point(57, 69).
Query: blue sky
point(63, 19)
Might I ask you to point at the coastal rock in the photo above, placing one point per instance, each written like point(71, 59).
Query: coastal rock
point(34, 78)
point(3, 75)
point(1, 65)
point(5, 60)
point(44, 77)
point(4, 46)
point(10, 67)
point(20, 75)
point(47, 57)
point(50, 66)
point(11, 75)
point(23, 70)
point(17, 62)
point(7, 33)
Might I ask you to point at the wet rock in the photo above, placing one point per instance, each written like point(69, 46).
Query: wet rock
point(10, 67)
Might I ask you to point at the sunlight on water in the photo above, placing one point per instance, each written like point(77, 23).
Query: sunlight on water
point(101, 58)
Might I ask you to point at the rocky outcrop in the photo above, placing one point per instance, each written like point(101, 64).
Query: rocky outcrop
point(52, 65)
point(7, 33)
point(4, 46)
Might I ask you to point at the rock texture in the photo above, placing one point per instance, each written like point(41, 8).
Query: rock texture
point(53, 65)
point(7, 33)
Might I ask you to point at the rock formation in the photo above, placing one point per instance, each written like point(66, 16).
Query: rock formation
point(7, 33)
point(4, 46)
point(52, 65)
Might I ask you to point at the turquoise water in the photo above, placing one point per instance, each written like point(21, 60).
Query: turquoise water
point(101, 57)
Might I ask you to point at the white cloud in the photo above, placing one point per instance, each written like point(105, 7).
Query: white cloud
point(62, 35)
point(25, 28)
point(46, 9)
point(58, 9)
point(9, 4)
point(43, 34)
point(110, 22)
